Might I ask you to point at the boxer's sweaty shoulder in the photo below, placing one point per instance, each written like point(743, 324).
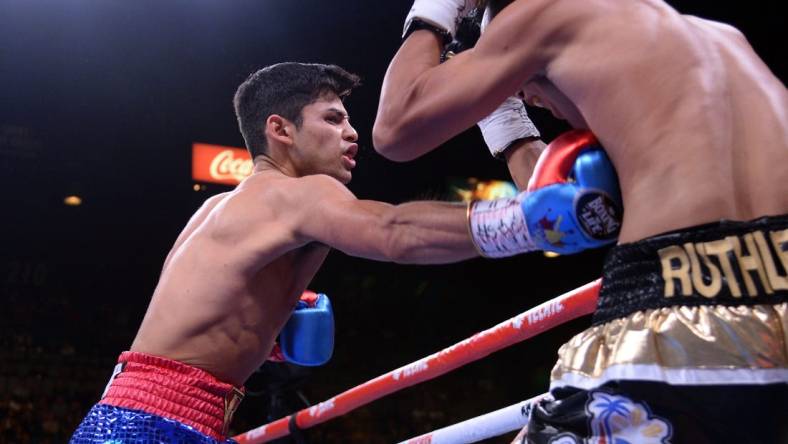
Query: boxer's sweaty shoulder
point(269, 213)
point(231, 283)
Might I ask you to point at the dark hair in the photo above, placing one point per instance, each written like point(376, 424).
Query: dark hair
point(285, 89)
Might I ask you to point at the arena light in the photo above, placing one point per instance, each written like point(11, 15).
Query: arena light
point(471, 188)
point(550, 254)
point(72, 200)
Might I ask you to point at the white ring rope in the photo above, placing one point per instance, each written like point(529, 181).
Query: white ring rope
point(481, 427)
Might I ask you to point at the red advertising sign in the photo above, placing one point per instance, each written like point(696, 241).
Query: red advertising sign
point(220, 164)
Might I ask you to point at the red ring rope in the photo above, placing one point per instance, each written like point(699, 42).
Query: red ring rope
point(574, 304)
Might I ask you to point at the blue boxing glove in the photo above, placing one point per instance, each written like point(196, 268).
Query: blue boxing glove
point(308, 337)
point(572, 203)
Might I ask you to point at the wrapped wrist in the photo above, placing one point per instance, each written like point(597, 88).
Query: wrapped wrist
point(443, 14)
point(498, 227)
point(508, 123)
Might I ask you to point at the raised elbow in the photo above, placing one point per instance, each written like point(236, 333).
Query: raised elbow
point(384, 139)
point(381, 138)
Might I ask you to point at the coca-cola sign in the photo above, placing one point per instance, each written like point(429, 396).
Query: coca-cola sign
point(220, 164)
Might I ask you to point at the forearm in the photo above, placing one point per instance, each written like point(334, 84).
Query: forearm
point(428, 232)
point(521, 158)
point(396, 132)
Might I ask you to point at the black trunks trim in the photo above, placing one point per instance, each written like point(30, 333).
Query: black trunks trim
point(723, 263)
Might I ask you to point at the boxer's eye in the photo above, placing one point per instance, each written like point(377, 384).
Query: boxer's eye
point(335, 118)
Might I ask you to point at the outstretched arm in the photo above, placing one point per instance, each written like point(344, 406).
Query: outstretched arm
point(547, 216)
point(414, 232)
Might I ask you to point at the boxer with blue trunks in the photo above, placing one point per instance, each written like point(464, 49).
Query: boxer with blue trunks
point(158, 399)
point(232, 281)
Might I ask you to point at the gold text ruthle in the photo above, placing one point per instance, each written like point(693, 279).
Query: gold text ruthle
point(687, 265)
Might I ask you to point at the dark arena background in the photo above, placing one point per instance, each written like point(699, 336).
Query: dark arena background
point(102, 101)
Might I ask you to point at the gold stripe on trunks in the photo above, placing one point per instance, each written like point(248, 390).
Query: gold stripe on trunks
point(682, 337)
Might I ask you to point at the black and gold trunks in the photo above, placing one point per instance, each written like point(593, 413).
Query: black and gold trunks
point(704, 305)
point(689, 344)
point(726, 263)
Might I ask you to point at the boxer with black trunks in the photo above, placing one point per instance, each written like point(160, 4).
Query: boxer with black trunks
point(237, 272)
point(691, 323)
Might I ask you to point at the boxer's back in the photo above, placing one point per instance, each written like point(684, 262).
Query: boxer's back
point(695, 123)
point(230, 282)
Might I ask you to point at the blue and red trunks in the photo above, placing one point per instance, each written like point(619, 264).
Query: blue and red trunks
point(153, 399)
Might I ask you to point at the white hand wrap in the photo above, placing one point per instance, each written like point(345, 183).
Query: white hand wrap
point(498, 227)
point(509, 122)
point(444, 14)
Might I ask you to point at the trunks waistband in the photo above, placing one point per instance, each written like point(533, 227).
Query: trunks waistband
point(723, 263)
point(173, 390)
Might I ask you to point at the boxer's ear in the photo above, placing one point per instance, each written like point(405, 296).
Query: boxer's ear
point(278, 128)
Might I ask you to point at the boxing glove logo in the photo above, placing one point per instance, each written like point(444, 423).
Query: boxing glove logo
point(598, 214)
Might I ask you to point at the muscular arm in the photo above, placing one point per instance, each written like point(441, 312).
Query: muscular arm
point(414, 232)
point(424, 103)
